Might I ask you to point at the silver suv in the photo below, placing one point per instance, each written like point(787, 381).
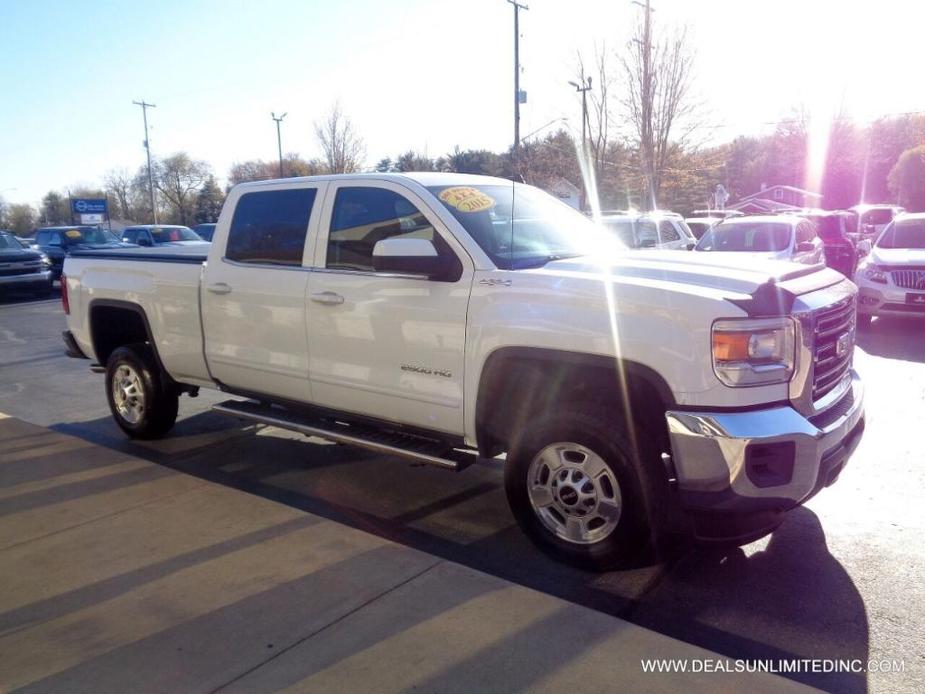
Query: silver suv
point(665, 230)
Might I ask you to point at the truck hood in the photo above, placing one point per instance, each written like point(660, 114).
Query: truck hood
point(898, 256)
point(730, 273)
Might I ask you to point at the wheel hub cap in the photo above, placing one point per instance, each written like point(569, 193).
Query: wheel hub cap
point(574, 493)
point(128, 394)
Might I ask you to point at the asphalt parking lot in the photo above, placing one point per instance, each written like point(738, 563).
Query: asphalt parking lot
point(840, 579)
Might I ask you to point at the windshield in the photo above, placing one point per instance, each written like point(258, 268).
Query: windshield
point(168, 234)
point(878, 216)
point(904, 234)
point(7, 241)
point(89, 235)
point(759, 237)
point(519, 226)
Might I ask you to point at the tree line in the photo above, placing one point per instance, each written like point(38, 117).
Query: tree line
point(643, 148)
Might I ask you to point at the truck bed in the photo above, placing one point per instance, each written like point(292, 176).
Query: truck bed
point(163, 284)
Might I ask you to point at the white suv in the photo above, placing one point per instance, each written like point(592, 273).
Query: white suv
point(891, 279)
point(665, 230)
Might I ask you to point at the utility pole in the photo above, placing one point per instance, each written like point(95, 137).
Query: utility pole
point(144, 114)
point(517, 8)
point(646, 98)
point(279, 140)
point(584, 88)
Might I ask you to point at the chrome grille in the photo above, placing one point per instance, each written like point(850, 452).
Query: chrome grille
point(908, 279)
point(833, 332)
point(24, 268)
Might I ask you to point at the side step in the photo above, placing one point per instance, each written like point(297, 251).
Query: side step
point(413, 448)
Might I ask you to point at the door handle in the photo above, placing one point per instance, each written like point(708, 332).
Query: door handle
point(330, 298)
point(219, 288)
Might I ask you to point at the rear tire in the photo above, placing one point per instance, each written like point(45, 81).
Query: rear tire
point(575, 491)
point(142, 401)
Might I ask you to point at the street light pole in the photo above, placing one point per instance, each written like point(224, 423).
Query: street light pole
point(144, 114)
point(279, 140)
point(517, 8)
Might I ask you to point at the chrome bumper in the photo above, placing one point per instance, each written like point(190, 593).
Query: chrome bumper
point(721, 458)
point(30, 279)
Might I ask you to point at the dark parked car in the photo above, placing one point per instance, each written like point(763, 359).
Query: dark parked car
point(57, 242)
point(22, 268)
point(161, 235)
point(834, 228)
point(205, 231)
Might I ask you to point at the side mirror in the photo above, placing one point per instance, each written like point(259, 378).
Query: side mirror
point(415, 256)
point(864, 247)
point(144, 242)
point(690, 245)
point(805, 246)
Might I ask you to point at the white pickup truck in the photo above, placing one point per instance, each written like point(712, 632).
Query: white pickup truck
point(440, 317)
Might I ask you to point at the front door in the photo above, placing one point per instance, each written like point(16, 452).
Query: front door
point(253, 295)
point(385, 345)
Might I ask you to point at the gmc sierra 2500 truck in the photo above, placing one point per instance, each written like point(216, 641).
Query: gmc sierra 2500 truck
point(439, 317)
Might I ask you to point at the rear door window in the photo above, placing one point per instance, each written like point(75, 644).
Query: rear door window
point(270, 227)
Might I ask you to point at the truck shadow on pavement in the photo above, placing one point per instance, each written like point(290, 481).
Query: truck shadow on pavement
point(782, 598)
point(894, 338)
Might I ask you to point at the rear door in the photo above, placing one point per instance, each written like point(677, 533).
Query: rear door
point(253, 292)
point(386, 345)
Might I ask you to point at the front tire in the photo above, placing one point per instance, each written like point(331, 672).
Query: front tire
point(574, 490)
point(143, 404)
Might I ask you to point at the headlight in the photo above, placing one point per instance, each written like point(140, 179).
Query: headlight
point(753, 351)
point(873, 273)
point(45, 260)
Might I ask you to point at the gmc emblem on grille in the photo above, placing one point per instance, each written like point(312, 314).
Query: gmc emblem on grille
point(843, 343)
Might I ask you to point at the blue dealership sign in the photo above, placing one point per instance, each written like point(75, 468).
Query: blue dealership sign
point(90, 206)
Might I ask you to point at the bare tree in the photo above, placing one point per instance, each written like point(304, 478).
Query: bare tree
point(342, 147)
point(118, 184)
point(659, 76)
point(179, 178)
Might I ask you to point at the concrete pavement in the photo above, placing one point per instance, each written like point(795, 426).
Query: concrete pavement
point(119, 574)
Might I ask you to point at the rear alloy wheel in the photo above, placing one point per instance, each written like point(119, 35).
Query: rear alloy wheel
point(142, 403)
point(574, 490)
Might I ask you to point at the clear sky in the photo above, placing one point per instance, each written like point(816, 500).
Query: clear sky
point(412, 74)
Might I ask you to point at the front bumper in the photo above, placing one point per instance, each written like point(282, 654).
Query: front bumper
point(33, 279)
point(732, 466)
point(876, 299)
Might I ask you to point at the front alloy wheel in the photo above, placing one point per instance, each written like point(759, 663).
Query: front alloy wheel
point(574, 493)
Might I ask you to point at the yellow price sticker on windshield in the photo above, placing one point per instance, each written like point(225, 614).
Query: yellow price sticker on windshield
point(73, 234)
point(467, 199)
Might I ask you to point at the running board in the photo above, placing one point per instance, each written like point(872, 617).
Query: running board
point(413, 448)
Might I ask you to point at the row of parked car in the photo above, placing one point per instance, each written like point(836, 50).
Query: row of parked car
point(799, 235)
point(880, 247)
point(36, 263)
